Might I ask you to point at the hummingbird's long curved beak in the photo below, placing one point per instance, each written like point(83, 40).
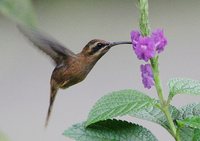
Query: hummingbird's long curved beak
point(118, 43)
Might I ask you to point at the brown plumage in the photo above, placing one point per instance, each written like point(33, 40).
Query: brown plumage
point(70, 68)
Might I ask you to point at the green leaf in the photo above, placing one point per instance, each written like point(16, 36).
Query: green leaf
point(20, 11)
point(189, 110)
point(196, 136)
point(118, 103)
point(183, 86)
point(154, 114)
point(193, 122)
point(109, 130)
point(189, 134)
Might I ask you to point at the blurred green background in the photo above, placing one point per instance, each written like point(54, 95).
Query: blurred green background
point(25, 72)
point(3, 137)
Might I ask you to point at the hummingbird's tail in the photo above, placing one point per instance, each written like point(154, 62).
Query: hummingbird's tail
point(51, 102)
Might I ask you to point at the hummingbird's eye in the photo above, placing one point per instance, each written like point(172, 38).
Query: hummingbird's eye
point(97, 48)
point(100, 45)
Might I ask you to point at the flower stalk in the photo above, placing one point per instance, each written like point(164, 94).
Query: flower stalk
point(145, 31)
point(163, 105)
point(154, 65)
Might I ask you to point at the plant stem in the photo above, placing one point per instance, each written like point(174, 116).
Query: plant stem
point(163, 104)
point(145, 31)
point(154, 65)
point(170, 120)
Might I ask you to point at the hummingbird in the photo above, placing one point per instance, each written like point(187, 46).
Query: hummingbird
point(70, 68)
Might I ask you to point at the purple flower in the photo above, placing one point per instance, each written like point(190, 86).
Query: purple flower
point(145, 48)
point(159, 39)
point(135, 35)
point(147, 76)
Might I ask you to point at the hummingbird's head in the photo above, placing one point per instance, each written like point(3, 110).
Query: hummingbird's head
point(97, 48)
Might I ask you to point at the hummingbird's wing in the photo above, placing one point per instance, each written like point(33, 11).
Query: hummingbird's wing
point(47, 44)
